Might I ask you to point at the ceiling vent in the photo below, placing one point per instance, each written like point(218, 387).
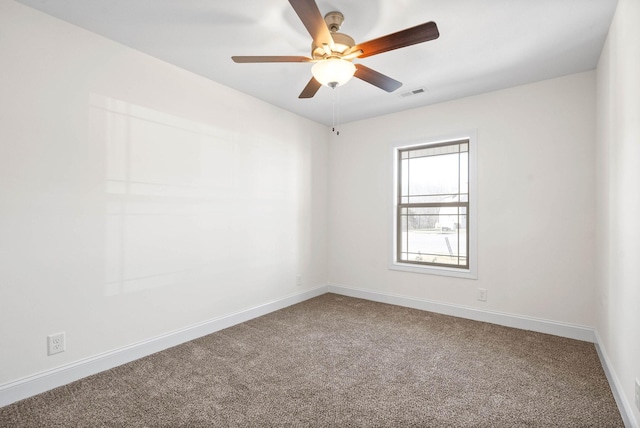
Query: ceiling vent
point(414, 92)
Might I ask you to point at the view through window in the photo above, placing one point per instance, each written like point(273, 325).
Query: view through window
point(433, 204)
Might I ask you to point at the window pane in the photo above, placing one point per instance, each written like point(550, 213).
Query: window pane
point(433, 151)
point(433, 175)
point(441, 247)
point(404, 178)
point(434, 235)
point(464, 172)
point(403, 235)
point(463, 236)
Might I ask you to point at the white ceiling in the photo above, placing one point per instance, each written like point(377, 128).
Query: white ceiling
point(484, 45)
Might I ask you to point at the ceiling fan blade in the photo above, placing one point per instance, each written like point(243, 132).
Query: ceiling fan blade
point(310, 90)
point(376, 79)
point(312, 19)
point(253, 59)
point(410, 36)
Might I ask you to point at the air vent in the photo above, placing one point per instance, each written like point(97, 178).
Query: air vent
point(414, 92)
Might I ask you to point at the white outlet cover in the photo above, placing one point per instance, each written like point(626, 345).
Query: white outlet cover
point(55, 343)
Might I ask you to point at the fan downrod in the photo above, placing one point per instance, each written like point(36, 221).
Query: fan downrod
point(334, 20)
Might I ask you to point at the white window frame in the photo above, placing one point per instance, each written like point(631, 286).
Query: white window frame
point(472, 271)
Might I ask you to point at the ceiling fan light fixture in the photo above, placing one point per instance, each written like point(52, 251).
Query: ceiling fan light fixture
point(333, 72)
point(333, 51)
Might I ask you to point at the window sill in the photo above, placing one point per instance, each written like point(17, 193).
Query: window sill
point(433, 270)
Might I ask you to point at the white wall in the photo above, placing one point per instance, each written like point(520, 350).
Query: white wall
point(137, 198)
point(618, 168)
point(536, 203)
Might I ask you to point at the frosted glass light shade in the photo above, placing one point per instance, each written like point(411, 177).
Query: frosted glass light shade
point(333, 72)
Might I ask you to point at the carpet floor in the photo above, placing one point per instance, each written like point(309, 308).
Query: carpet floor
point(336, 361)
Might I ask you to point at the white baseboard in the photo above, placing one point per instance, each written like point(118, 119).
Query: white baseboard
point(624, 406)
point(508, 320)
point(41, 382)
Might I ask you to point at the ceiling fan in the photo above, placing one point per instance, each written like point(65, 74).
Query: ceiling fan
point(333, 52)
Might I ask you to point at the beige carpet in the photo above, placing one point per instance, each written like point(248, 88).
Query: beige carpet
point(336, 361)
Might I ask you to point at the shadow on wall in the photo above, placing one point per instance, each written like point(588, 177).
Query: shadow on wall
point(180, 206)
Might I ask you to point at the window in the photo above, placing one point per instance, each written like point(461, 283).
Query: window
point(433, 220)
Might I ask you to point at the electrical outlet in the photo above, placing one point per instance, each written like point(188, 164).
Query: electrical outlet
point(482, 294)
point(55, 343)
point(638, 393)
point(299, 280)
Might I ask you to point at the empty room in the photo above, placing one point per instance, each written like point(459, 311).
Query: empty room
point(320, 213)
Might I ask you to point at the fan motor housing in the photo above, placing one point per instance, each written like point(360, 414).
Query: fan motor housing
point(341, 41)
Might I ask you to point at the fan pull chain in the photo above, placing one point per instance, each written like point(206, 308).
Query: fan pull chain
point(335, 114)
point(333, 110)
point(338, 111)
